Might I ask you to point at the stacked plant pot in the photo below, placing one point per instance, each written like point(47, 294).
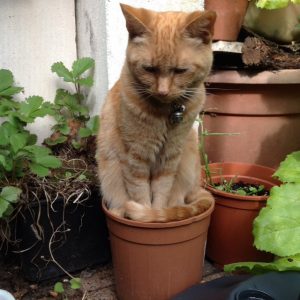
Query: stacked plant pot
point(262, 108)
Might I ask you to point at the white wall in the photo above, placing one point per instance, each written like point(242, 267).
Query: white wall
point(34, 34)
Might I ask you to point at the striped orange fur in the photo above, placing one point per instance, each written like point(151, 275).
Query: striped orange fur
point(149, 167)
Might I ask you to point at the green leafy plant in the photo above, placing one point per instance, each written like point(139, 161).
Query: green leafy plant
point(275, 4)
point(74, 124)
point(277, 227)
point(19, 153)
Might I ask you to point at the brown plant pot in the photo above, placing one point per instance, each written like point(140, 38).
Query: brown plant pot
point(230, 236)
point(263, 108)
point(157, 260)
point(230, 17)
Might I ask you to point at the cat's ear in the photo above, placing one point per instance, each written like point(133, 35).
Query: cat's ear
point(200, 25)
point(135, 20)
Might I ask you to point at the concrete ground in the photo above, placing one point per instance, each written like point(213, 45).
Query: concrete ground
point(98, 284)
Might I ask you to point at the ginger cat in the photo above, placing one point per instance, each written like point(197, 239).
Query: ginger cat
point(148, 157)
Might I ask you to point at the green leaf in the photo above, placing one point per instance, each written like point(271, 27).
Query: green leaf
point(290, 263)
point(241, 192)
point(75, 283)
point(81, 177)
point(11, 194)
point(76, 144)
point(88, 81)
point(84, 132)
point(6, 79)
point(60, 69)
point(32, 139)
point(48, 161)
point(39, 170)
point(2, 160)
point(289, 169)
point(3, 206)
point(9, 210)
point(18, 141)
point(81, 65)
point(8, 164)
point(57, 141)
point(93, 124)
point(11, 91)
point(277, 227)
point(34, 107)
point(7, 130)
point(60, 95)
point(37, 150)
point(272, 4)
point(64, 129)
point(59, 288)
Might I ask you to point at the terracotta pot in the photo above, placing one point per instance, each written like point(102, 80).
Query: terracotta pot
point(157, 260)
point(230, 236)
point(230, 16)
point(263, 108)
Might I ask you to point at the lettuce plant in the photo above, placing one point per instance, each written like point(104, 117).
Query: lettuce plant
point(277, 227)
point(274, 4)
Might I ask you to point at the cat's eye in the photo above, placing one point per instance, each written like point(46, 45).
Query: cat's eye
point(180, 70)
point(151, 69)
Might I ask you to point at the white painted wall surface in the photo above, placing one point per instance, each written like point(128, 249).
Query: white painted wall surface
point(91, 42)
point(34, 34)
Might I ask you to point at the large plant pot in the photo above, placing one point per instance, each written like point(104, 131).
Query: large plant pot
point(157, 260)
point(263, 108)
point(230, 17)
point(76, 234)
point(230, 236)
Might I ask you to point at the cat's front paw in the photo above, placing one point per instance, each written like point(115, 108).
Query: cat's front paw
point(118, 212)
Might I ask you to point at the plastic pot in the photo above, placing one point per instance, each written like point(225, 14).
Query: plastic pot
point(230, 236)
point(77, 234)
point(157, 260)
point(262, 108)
point(230, 17)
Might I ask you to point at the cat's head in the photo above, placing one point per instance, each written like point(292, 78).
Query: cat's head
point(169, 53)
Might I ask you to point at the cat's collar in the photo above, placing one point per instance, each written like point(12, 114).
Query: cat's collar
point(176, 113)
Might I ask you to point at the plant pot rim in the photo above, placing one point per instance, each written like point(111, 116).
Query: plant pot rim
point(236, 196)
point(157, 224)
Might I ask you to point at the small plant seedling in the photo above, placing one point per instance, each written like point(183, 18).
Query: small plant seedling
point(63, 288)
point(73, 122)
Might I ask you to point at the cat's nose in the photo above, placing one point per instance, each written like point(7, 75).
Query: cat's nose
point(163, 93)
point(163, 87)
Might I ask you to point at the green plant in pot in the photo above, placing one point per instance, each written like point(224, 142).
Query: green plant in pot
point(240, 191)
point(276, 229)
point(70, 201)
point(21, 159)
point(262, 18)
point(58, 214)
